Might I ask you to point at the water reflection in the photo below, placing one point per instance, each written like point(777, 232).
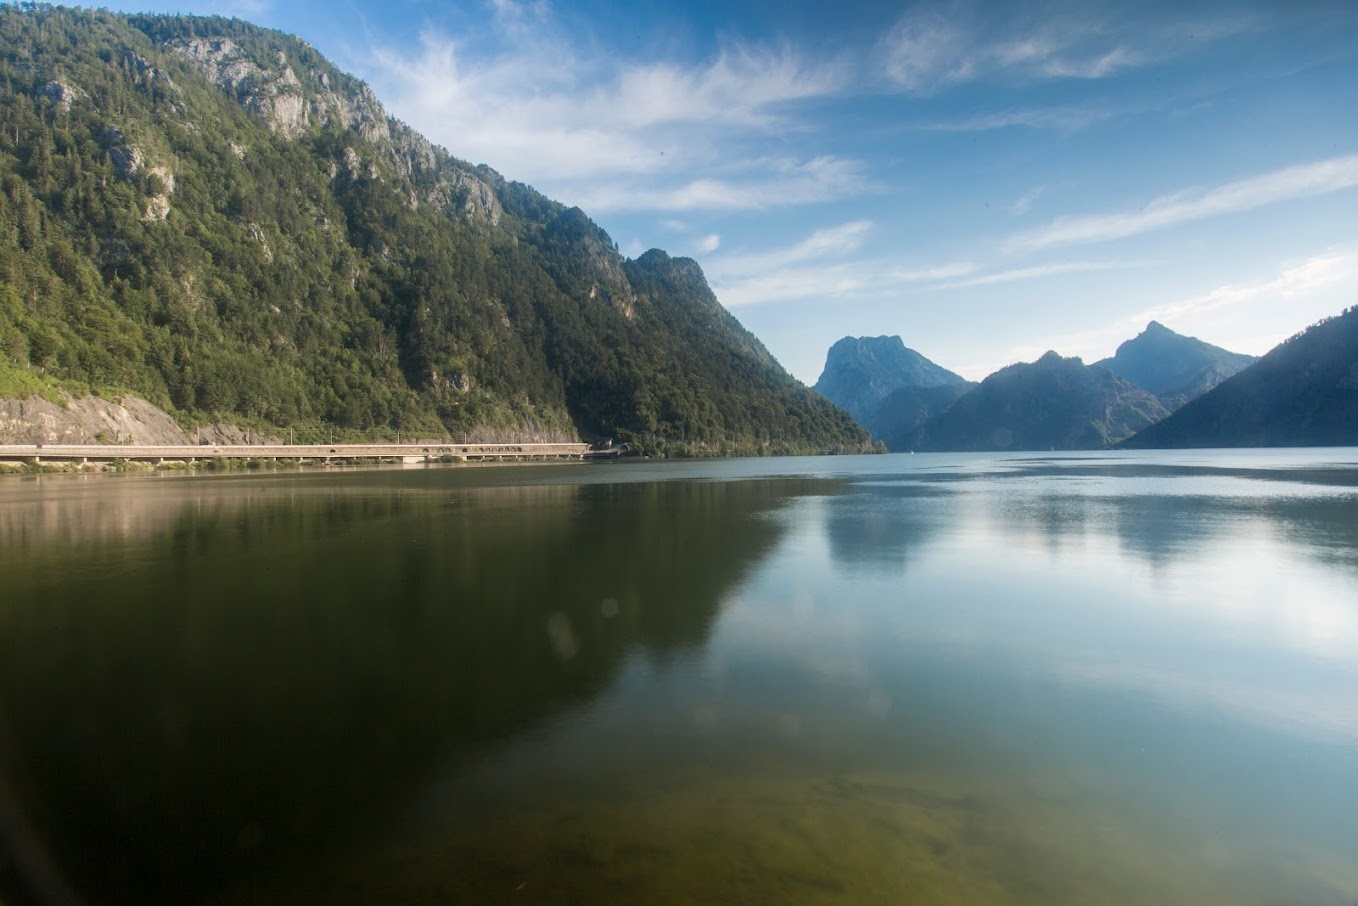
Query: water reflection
point(880, 528)
point(252, 680)
point(1008, 680)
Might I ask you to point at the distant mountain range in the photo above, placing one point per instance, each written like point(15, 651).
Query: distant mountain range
point(1054, 403)
point(1173, 367)
point(887, 387)
point(1305, 392)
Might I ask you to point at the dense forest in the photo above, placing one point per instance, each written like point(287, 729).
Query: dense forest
point(1304, 393)
point(209, 215)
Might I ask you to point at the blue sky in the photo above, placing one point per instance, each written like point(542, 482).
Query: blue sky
point(987, 180)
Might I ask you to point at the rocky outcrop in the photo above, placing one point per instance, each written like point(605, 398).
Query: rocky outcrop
point(60, 94)
point(291, 104)
point(861, 372)
point(87, 420)
point(129, 163)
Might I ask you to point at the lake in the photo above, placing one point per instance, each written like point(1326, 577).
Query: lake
point(1098, 678)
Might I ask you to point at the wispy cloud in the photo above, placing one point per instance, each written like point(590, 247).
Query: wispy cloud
point(816, 267)
point(1024, 203)
point(1040, 271)
point(932, 274)
point(615, 134)
point(835, 240)
point(1328, 269)
point(791, 284)
point(797, 271)
point(709, 243)
point(1228, 315)
point(756, 185)
point(933, 47)
point(1064, 119)
point(1302, 181)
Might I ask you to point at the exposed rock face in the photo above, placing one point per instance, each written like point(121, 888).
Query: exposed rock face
point(158, 207)
point(87, 420)
point(292, 104)
point(860, 372)
point(127, 161)
point(479, 199)
point(275, 97)
point(273, 90)
point(60, 93)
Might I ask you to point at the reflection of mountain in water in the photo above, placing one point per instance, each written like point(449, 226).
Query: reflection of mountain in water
point(1161, 528)
point(262, 679)
point(880, 527)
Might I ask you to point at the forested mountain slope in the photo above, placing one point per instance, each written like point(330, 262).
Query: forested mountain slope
point(1054, 403)
point(212, 216)
point(1302, 393)
point(1174, 367)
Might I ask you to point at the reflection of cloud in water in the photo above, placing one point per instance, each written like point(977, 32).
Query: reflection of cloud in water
point(1326, 713)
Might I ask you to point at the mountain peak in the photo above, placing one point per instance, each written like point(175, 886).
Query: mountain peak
point(1174, 367)
point(1299, 394)
point(860, 372)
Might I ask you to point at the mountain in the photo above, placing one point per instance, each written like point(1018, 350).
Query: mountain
point(1053, 403)
point(211, 216)
point(905, 410)
point(860, 372)
point(1174, 367)
point(1303, 393)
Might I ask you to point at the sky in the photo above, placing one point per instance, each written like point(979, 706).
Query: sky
point(987, 180)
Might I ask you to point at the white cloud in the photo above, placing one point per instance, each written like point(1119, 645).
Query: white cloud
point(936, 46)
point(782, 274)
point(840, 239)
point(1302, 181)
point(932, 274)
point(1244, 316)
point(1024, 203)
point(1039, 271)
point(757, 185)
point(1065, 119)
point(790, 284)
point(931, 48)
point(526, 100)
point(708, 243)
point(1328, 269)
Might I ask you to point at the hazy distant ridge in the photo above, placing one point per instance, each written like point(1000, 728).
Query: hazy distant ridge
point(1054, 403)
point(1174, 367)
point(1303, 393)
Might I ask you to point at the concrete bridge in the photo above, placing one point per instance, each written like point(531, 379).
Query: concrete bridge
point(409, 453)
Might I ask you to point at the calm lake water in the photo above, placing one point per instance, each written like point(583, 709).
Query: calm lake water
point(1064, 679)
